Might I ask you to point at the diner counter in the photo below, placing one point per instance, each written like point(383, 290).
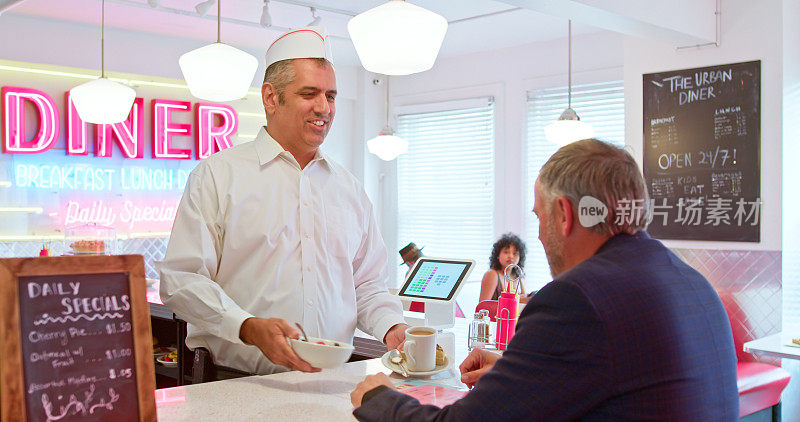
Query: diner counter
point(286, 396)
point(454, 340)
point(291, 395)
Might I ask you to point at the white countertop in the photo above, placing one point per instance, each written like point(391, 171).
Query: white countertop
point(294, 396)
point(775, 345)
point(289, 396)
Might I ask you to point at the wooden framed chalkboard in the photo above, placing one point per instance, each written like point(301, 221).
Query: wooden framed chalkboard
point(701, 155)
point(76, 341)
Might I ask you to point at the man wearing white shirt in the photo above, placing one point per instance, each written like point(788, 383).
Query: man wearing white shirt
point(273, 232)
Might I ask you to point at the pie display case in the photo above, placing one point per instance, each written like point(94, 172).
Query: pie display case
point(90, 239)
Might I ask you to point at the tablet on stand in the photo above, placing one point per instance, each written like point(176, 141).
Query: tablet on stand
point(437, 282)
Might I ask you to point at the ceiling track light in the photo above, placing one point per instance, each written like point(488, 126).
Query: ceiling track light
point(203, 8)
point(266, 18)
point(102, 101)
point(8, 4)
point(569, 127)
point(218, 72)
point(316, 19)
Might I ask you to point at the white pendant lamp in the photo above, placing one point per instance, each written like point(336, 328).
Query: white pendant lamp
point(218, 72)
point(102, 101)
point(397, 38)
point(386, 145)
point(569, 127)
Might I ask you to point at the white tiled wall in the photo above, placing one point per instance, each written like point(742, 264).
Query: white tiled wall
point(152, 249)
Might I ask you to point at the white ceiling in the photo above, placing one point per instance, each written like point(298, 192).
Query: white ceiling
point(475, 25)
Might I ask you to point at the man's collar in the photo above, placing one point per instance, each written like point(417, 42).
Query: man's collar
point(268, 149)
point(608, 244)
point(621, 238)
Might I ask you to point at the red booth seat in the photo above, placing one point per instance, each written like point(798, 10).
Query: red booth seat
point(489, 305)
point(760, 386)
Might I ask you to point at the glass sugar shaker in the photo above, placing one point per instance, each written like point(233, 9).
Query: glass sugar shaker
point(479, 335)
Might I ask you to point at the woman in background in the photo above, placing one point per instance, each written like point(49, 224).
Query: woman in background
point(509, 249)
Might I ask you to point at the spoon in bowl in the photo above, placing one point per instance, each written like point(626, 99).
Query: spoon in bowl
point(305, 337)
point(397, 359)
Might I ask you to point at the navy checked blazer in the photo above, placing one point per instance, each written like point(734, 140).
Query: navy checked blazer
point(632, 333)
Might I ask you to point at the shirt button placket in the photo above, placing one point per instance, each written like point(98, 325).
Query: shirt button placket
point(307, 250)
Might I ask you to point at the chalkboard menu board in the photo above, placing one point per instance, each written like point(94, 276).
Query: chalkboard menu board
point(78, 338)
point(701, 156)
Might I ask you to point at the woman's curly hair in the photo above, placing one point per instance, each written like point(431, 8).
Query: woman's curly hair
point(507, 239)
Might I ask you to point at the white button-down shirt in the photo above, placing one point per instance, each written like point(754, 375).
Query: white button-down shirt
point(257, 236)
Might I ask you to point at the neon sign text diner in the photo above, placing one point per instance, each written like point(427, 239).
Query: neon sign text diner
point(215, 124)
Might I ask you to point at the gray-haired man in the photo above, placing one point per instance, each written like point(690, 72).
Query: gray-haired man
point(625, 331)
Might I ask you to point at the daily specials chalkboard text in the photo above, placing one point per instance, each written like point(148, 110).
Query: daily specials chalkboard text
point(76, 343)
point(77, 347)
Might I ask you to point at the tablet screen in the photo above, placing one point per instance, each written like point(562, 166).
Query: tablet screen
point(435, 279)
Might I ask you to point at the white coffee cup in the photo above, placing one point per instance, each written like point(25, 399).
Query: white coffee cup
point(420, 349)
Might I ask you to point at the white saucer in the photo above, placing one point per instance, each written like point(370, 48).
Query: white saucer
point(396, 368)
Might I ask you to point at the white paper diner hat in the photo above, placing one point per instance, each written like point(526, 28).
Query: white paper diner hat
point(304, 43)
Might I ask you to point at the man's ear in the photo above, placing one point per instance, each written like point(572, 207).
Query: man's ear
point(564, 219)
point(269, 97)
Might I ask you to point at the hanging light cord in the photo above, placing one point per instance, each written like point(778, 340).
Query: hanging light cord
point(569, 66)
point(387, 100)
point(102, 39)
point(219, 14)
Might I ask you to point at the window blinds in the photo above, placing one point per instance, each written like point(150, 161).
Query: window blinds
point(599, 104)
point(446, 183)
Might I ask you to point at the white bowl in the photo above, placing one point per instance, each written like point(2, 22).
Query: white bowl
point(325, 355)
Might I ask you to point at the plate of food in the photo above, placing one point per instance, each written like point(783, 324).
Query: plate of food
point(442, 364)
point(170, 359)
point(163, 350)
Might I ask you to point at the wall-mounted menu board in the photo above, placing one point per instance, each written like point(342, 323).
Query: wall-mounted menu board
point(76, 342)
point(702, 130)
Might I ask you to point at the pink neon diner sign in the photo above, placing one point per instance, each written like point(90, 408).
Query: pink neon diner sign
point(215, 124)
point(164, 129)
point(209, 134)
point(77, 131)
point(129, 134)
point(14, 121)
